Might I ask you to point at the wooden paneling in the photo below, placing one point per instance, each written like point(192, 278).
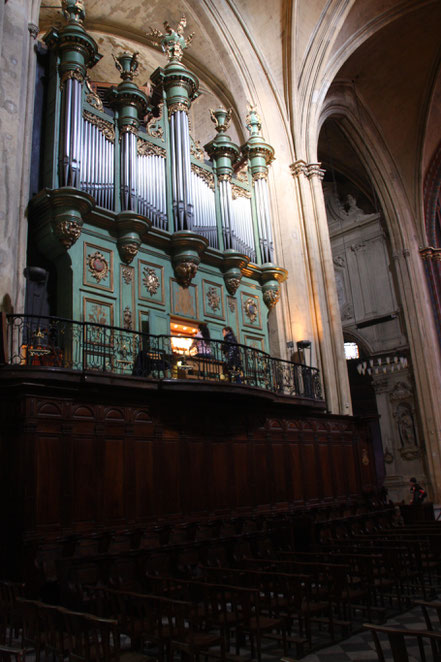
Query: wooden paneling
point(116, 458)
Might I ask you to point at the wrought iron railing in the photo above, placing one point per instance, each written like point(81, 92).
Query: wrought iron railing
point(85, 346)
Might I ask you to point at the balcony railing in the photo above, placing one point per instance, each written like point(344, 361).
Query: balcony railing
point(85, 346)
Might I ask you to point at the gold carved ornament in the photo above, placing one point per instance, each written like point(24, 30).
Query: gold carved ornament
point(128, 251)
point(106, 128)
point(185, 272)
point(239, 192)
point(271, 297)
point(150, 280)
point(232, 285)
point(67, 232)
point(197, 150)
point(91, 96)
point(250, 309)
point(213, 299)
point(127, 318)
point(207, 176)
point(127, 274)
point(153, 122)
point(176, 107)
point(146, 148)
point(98, 266)
point(71, 74)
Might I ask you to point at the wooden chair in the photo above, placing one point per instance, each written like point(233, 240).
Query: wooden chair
point(188, 632)
point(426, 607)
point(14, 653)
point(429, 643)
point(32, 632)
point(9, 613)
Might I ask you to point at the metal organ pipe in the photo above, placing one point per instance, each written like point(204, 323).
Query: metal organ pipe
point(70, 158)
point(97, 169)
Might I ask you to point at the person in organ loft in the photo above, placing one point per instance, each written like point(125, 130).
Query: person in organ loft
point(202, 341)
point(231, 351)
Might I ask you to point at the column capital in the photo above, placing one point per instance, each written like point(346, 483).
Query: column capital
point(309, 170)
point(299, 167)
point(314, 170)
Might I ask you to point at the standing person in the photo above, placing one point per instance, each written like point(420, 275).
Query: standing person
point(417, 493)
point(231, 351)
point(202, 341)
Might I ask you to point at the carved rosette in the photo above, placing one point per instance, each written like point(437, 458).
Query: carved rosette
point(271, 278)
point(131, 229)
point(233, 266)
point(187, 248)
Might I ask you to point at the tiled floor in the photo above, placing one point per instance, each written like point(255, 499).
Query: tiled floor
point(360, 647)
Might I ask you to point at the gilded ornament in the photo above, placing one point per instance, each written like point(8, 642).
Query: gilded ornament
point(213, 298)
point(242, 173)
point(206, 175)
point(132, 127)
point(185, 272)
point(127, 274)
point(252, 117)
point(146, 148)
point(250, 309)
point(106, 128)
point(127, 65)
point(74, 74)
point(365, 457)
point(97, 315)
point(98, 266)
point(73, 11)
point(128, 251)
point(67, 232)
point(172, 42)
point(150, 280)
point(176, 107)
point(232, 285)
point(197, 150)
point(271, 297)
point(260, 175)
point(221, 127)
point(91, 96)
point(239, 192)
point(224, 177)
point(153, 128)
point(231, 302)
point(127, 317)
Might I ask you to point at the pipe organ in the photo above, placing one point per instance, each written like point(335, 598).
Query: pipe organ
point(127, 174)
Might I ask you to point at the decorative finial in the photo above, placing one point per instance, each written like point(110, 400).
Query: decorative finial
point(127, 65)
point(172, 42)
point(73, 11)
point(222, 118)
point(253, 121)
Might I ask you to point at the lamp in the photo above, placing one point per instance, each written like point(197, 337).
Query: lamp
point(302, 347)
point(382, 364)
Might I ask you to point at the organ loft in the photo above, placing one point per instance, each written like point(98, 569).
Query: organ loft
point(219, 309)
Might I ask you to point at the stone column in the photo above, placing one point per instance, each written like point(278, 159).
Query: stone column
point(329, 334)
point(18, 31)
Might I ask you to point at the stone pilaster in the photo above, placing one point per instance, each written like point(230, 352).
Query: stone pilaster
point(329, 335)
